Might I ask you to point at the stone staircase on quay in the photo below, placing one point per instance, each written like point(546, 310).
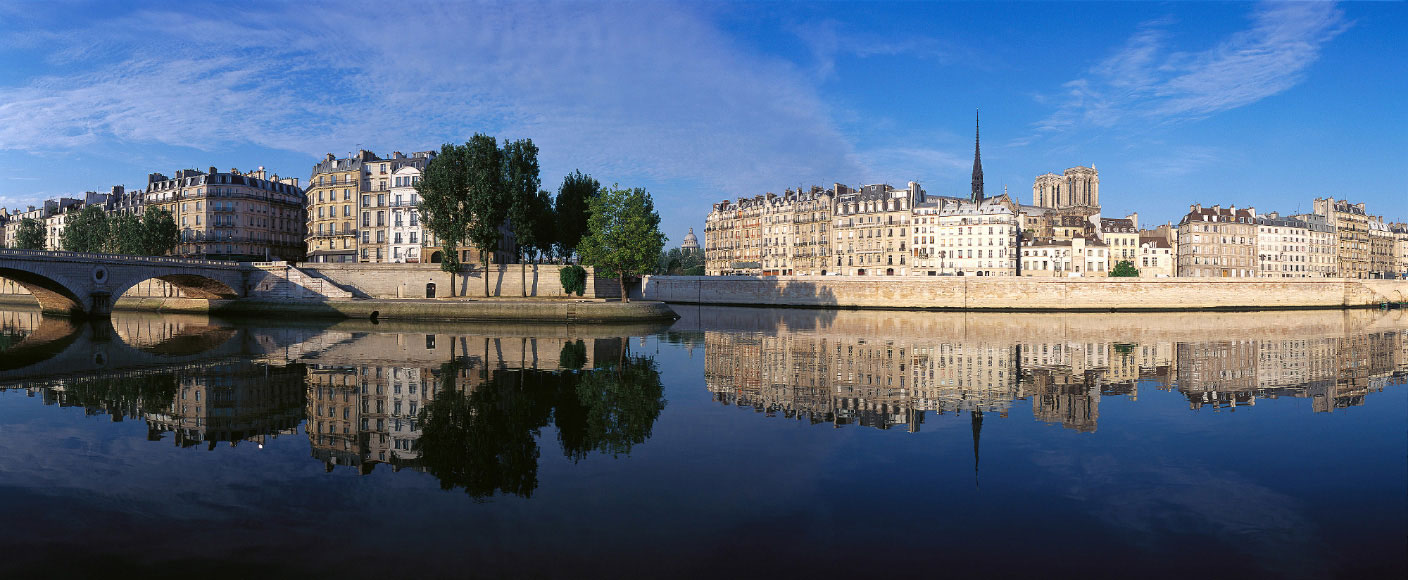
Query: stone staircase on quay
point(284, 282)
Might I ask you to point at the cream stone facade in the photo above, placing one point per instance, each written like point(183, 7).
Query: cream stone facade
point(233, 215)
point(1322, 245)
point(959, 237)
point(871, 229)
point(1157, 259)
point(1283, 247)
point(1381, 260)
point(1351, 223)
point(1217, 242)
point(1121, 236)
point(1400, 249)
point(406, 234)
point(733, 238)
point(350, 212)
point(1081, 257)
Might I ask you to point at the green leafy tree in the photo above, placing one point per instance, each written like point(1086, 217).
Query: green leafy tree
point(1124, 269)
point(678, 262)
point(546, 236)
point(444, 201)
point(521, 176)
point(125, 234)
point(85, 230)
point(487, 200)
point(159, 233)
point(624, 236)
point(30, 235)
point(573, 209)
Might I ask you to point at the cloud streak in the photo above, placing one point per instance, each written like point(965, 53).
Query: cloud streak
point(639, 91)
point(1145, 82)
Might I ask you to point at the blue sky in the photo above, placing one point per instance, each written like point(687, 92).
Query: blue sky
point(1269, 105)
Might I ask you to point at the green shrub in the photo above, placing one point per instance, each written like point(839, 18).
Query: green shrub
point(574, 279)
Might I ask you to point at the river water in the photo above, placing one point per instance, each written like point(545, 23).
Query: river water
point(735, 442)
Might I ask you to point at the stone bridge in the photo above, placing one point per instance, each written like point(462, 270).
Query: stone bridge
point(79, 284)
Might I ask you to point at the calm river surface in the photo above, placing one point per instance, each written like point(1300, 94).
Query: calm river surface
point(733, 443)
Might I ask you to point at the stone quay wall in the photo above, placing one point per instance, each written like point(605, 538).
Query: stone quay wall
point(410, 280)
point(1012, 293)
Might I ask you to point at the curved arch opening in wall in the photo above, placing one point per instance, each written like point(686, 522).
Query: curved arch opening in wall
point(49, 294)
point(183, 285)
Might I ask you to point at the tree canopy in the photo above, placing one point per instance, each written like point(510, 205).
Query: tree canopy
point(444, 192)
point(678, 262)
point(524, 211)
point(85, 230)
point(487, 198)
point(624, 237)
point(573, 210)
point(1124, 269)
point(30, 235)
point(159, 233)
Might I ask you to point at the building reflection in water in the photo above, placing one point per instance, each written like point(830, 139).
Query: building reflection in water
point(468, 409)
point(885, 371)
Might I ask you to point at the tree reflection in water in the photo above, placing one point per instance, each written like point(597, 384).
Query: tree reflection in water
point(485, 439)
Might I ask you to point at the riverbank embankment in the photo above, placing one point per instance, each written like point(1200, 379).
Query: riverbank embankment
point(1025, 294)
point(541, 311)
point(531, 311)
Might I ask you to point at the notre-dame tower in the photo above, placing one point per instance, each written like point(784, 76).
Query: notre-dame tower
point(1076, 187)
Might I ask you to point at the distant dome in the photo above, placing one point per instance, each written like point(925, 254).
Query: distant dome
point(690, 242)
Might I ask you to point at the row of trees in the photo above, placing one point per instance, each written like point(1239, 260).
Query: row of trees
point(92, 230)
point(470, 190)
point(678, 262)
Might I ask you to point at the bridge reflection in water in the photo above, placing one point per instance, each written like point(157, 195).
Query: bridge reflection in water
point(885, 371)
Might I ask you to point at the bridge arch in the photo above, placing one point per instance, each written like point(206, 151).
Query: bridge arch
point(190, 285)
point(53, 294)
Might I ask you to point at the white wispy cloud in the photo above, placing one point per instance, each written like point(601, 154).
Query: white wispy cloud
point(1145, 82)
point(646, 90)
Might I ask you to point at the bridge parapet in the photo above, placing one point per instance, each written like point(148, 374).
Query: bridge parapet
point(122, 258)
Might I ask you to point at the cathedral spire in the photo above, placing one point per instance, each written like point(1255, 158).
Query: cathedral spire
point(977, 195)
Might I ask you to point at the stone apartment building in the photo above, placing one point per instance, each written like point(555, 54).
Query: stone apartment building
point(770, 234)
point(1157, 258)
point(1381, 261)
point(349, 211)
point(1218, 242)
point(1400, 249)
point(871, 229)
point(962, 237)
point(233, 215)
point(1322, 245)
point(1121, 235)
point(1084, 256)
point(406, 234)
point(55, 216)
point(811, 226)
point(732, 238)
point(1351, 223)
point(1283, 247)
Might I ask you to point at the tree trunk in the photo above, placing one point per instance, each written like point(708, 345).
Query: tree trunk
point(523, 268)
point(486, 276)
point(624, 297)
